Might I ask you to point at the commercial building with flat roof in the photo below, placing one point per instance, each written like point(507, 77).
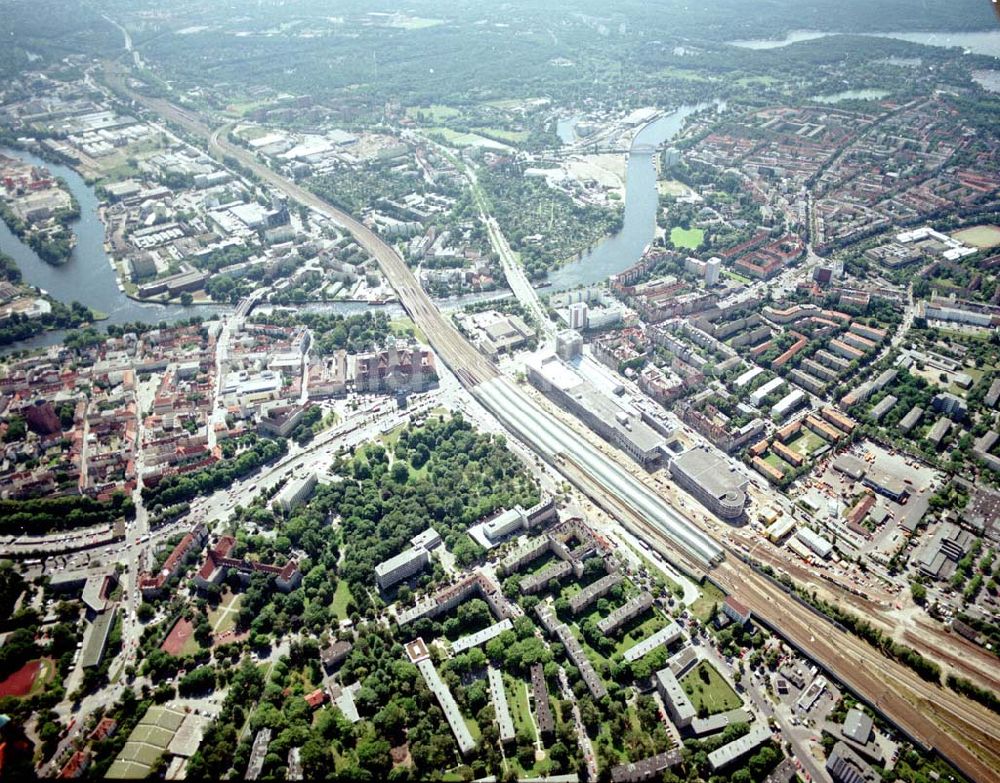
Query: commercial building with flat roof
point(712, 479)
point(401, 566)
point(97, 642)
point(814, 541)
point(846, 766)
point(886, 484)
point(296, 491)
point(858, 726)
point(738, 748)
point(609, 419)
point(409, 561)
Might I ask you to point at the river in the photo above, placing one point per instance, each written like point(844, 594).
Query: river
point(625, 248)
point(986, 42)
point(87, 276)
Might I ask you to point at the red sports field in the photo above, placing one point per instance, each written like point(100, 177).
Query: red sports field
point(20, 682)
point(178, 637)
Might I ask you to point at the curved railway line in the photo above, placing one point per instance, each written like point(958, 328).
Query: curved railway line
point(967, 734)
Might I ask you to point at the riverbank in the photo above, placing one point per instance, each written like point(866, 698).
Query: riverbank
point(624, 248)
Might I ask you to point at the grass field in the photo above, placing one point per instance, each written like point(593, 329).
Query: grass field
point(341, 599)
point(806, 443)
point(435, 113)
point(404, 326)
point(690, 238)
point(979, 236)
point(504, 135)
point(710, 596)
point(737, 277)
point(457, 139)
point(715, 695)
point(671, 187)
point(223, 617)
point(517, 701)
point(775, 461)
point(647, 627)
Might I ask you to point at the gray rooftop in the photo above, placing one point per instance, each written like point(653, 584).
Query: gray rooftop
point(715, 474)
point(738, 748)
point(448, 705)
point(857, 726)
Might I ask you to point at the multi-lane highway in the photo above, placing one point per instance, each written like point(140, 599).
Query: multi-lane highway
point(967, 733)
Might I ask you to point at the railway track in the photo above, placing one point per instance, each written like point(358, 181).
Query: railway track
point(963, 731)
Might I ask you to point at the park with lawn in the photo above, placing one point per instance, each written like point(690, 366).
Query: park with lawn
point(709, 692)
point(687, 238)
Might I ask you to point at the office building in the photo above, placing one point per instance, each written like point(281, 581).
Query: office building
point(401, 566)
point(569, 344)
point(950, 405)
point(296, 491)
point(578, 316)
point(409, 561)
point(713, 269)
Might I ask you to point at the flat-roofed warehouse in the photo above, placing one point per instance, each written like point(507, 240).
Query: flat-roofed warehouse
point(712, 479)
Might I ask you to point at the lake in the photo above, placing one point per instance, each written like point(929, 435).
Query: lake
point(986, 42)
